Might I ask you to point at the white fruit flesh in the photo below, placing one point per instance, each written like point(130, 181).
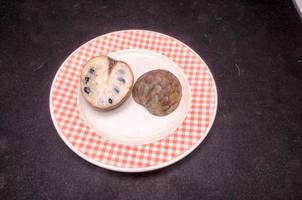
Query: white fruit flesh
point(108, 81)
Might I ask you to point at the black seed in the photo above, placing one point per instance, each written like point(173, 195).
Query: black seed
point(121, 79)
point(110, 100)
point(86, 79)
point(91, 71)
point(121, 71)
point(116, 90)
point(87, 90)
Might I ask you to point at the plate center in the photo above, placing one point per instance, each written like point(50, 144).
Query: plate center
point(131, 123)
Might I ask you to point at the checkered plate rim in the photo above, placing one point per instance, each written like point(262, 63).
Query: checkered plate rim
point(139, 151)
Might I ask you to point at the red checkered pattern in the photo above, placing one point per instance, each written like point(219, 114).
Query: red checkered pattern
point(73, 128)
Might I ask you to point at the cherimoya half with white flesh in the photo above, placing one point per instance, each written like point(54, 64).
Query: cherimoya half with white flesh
point(106, 83)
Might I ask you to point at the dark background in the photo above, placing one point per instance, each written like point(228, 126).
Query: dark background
point(254, 50)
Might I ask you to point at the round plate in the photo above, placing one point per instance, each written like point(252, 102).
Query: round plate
point(131, 123)
point(130, 139)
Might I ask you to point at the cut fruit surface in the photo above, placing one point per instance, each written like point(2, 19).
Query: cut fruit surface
point(106, 82)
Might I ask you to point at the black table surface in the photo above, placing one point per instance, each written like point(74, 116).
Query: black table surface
point(254, 50)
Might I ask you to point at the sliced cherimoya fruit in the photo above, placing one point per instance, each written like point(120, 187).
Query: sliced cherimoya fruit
point(105, 82)
point(159, 91)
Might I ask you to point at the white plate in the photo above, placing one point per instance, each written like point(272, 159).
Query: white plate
point(130, 139)
point(131, 123)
